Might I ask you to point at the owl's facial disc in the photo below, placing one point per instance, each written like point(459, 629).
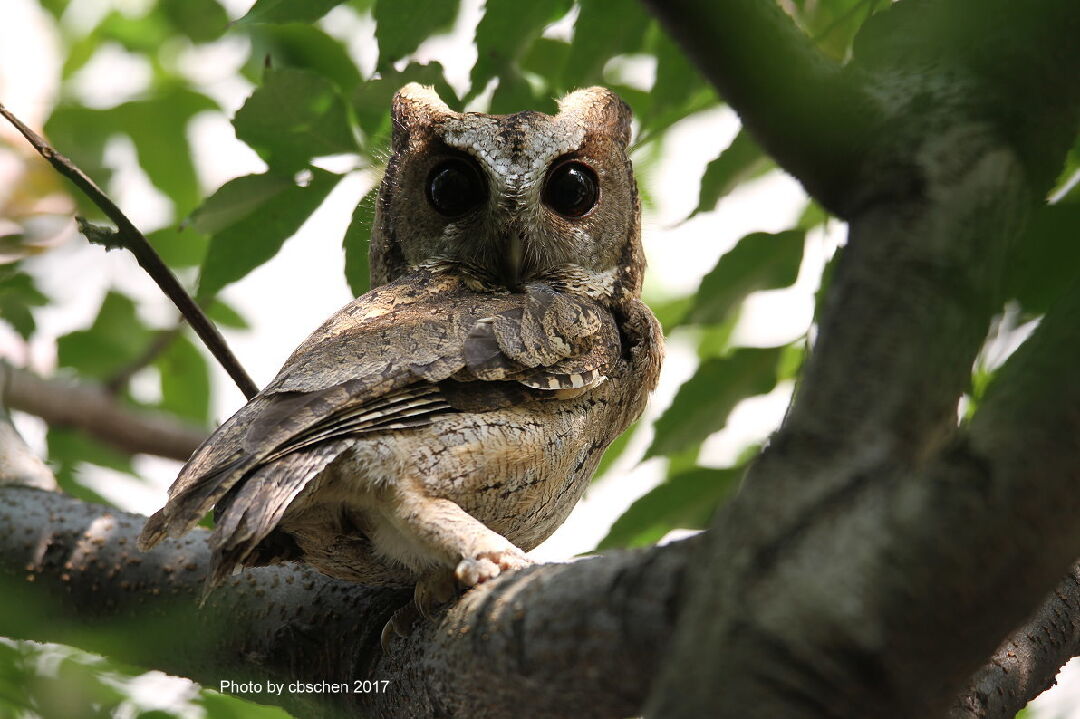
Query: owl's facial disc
point(517, 195)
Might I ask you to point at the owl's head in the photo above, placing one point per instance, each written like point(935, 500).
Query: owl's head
point(516, 196)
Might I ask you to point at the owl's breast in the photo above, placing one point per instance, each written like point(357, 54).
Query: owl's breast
point(519, 470)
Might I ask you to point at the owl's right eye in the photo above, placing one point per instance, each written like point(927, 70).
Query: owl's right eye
point(454, 187)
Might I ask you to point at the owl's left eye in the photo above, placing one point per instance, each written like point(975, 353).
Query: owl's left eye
point(571, 189)
point(454, 187)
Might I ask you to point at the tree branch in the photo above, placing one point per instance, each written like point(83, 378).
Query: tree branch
point(1025, 665)
point(100, 415)
point(129, 237)
point(581, 639)
point(830, 587)
point(810, 115)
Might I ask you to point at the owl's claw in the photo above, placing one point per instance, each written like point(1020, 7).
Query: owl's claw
point(399, 625)
point(432, 591)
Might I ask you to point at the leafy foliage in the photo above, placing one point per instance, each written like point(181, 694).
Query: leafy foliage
point(702, 405)
point(687, 500)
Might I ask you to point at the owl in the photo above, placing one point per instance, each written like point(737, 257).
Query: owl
point(447, 421)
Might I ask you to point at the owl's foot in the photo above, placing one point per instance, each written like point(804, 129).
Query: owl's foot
point(461, 542)
point(488, 565)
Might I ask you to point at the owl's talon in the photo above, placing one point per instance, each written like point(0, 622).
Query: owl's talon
point(398, 625)
point(433, 591)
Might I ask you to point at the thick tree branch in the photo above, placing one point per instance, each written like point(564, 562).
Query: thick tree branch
point(129, 237)
point(1026, 663)
point(874, 559)
point(804, 109)
point(97, 413)
point(581, 639)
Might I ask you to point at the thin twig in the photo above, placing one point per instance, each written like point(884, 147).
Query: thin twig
point(115, 385)
point(130, 238)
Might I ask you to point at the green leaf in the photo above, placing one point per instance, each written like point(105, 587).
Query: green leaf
point(714, 340)
point(56, 7)
point(236, 199)
point(139, 34)
point(357, 243)
point(116, 338)
point(67, 449)
point(401, 25)
point(306, 47)
point(247, 243)
point(739, 161)
point(826, 283)
point(282, 11)
point(687, 500)
point(832, 24)
point(514, 93)
point(670, 312)
point(812, 216)
point(546, 58)
point(703, 403)
point(760, 261)
point(200, 20)
point(158, 128)
point(223, 706)
point(505, 33)
point(180, 245)
point(371, 101)
point(18, 293)
point(225, 315)
point(677, 80)
point(604, 28)
point(1046, 257)
point(293, 117)
point(1067, 188)
point(81, 133)
point(678, 91)
point(185, 381)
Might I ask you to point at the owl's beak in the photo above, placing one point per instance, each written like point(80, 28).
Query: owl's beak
point(512, 256)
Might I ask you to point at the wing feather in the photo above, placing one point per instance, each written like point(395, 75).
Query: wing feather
point(254, 509)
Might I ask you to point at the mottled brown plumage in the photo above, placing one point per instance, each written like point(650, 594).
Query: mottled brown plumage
point(450, 418)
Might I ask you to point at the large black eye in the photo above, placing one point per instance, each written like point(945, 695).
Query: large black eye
point(454, 187)
point(572, 189)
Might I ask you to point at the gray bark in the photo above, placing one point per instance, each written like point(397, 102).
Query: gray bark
point(877, 553)
point(580, 639)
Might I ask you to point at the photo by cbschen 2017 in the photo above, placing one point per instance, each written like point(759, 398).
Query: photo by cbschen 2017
point(577, 358)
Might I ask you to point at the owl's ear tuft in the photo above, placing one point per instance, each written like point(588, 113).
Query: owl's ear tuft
point(414, 107)
point(600, 110)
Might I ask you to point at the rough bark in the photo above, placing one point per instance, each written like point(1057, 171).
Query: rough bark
point(799, 105)
point(836, 581)
point(1027, 662)
point(580, 639)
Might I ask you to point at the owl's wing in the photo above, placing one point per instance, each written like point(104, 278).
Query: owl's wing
point(395, 358)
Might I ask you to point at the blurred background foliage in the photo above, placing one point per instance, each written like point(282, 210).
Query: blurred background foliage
point(312, 100)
